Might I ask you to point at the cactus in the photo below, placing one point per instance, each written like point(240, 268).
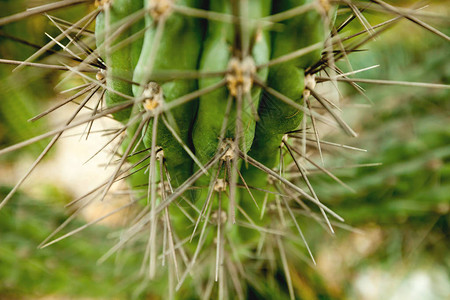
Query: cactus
point(217, 105)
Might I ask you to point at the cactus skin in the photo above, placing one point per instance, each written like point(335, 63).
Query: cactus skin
point(216, 56)
point(299, 32)
point(178, 30)
point(120, 63)
point(276, 119)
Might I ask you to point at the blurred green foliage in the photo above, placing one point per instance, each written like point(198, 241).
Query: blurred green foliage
point(64, 269)
point(24, 93)
point(406, 129)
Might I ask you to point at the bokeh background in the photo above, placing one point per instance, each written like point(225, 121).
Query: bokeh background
point(396, 245)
